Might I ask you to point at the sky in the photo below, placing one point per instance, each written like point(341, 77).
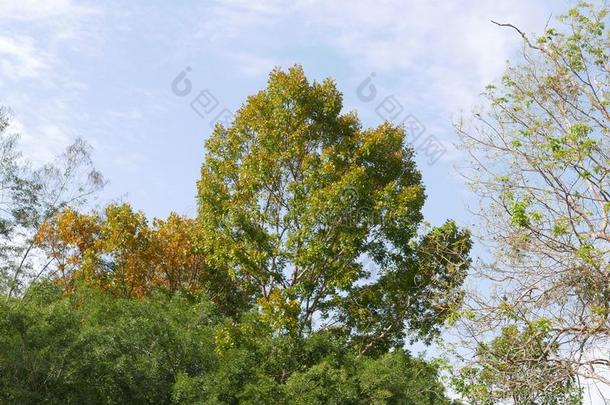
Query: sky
point(103, 71)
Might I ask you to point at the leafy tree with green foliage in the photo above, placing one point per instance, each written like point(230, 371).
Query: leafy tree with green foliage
point(92, 347)
point(294, 194)
point(541, 164)
point(260, 366)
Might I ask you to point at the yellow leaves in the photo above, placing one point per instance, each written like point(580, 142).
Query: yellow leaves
point(412, 194)
point(123, 228)
point(279, 311)
point(66, 238)
point(223, 337)
point(176, 264)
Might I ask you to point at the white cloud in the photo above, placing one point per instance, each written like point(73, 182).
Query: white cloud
point(33, 38)
point(21, 59)
point(36, 10)
point(51, 26)
point(451, 49)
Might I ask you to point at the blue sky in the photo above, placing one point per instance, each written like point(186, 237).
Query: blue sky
point(103, 71)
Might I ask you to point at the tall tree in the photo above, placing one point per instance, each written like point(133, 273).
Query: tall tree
point(29, 196)
point(294, 194)
point(540, 163)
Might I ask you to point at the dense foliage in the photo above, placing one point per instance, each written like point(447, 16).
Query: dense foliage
point(90, 347)
point(294, 195)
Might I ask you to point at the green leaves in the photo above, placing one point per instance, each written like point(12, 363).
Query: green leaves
point(91, 347)
point(294, 194)
point(519, 213)
point(510, 367)
point(540, 152)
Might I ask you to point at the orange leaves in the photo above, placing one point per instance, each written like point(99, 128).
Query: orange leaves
point(68, 238)
point(73, 228)
point(121, 252)
point(176, 264)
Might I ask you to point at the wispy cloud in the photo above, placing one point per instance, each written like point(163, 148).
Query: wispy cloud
point(34, 36)
point(101, 69)
point(20, 58)
point(442, 49)
point(57, 24)
point(451, 49)
point(35, 10)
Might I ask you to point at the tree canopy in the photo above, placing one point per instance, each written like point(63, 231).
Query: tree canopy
point(540, 163)
point(294, 194)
